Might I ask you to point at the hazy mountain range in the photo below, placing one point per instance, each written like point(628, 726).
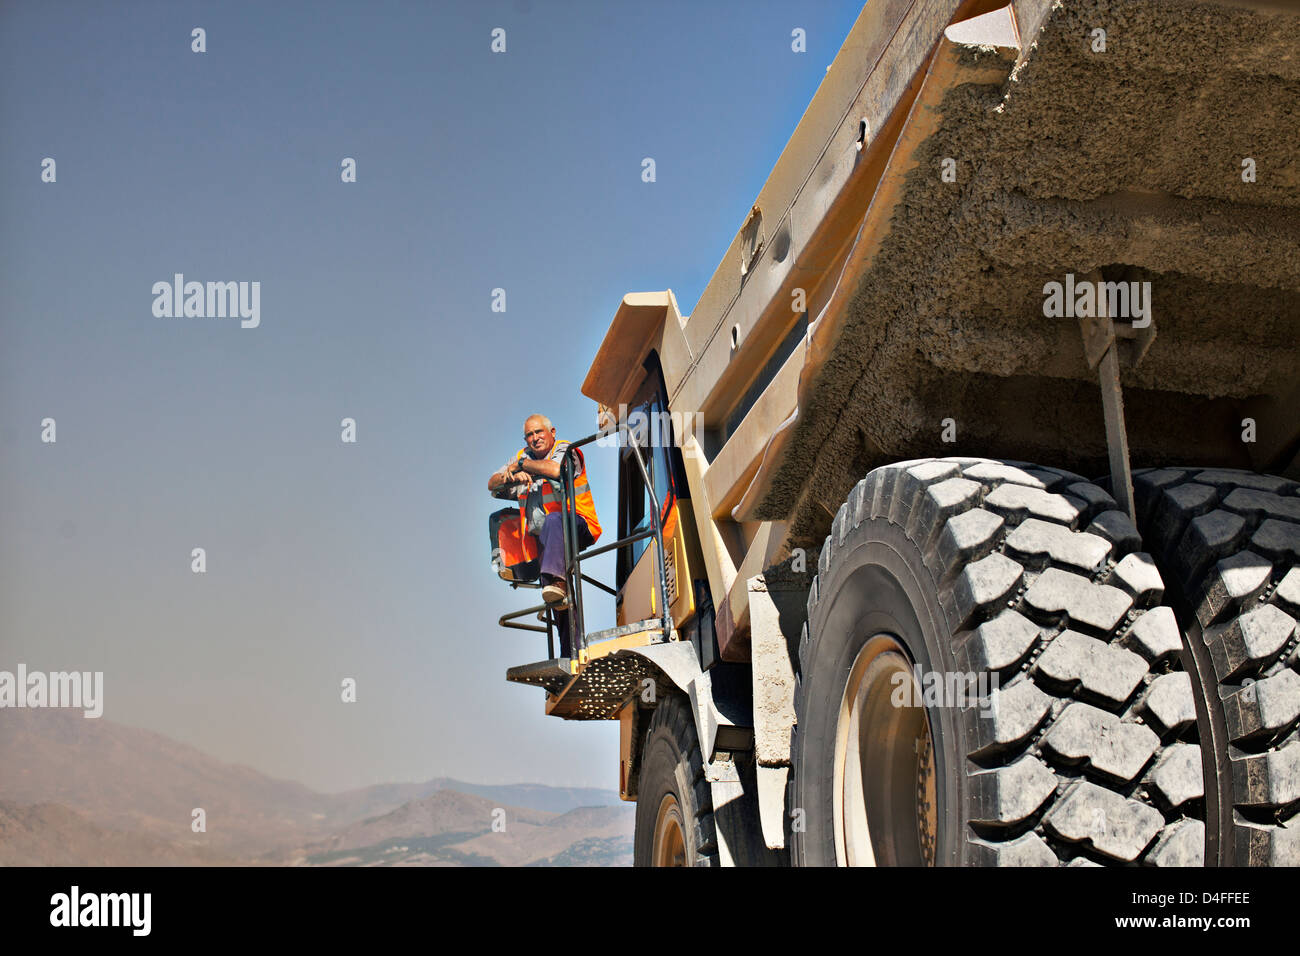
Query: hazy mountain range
point(91, 792)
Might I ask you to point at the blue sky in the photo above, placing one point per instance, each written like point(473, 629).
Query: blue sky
point(475, 171)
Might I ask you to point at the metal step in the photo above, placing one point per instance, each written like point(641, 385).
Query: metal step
point(623, 630)
point(597, 684)
point(608, 672)
point(553, 674)
point(601, 687)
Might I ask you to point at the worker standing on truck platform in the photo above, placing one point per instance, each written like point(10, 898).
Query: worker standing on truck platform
point(534, 474)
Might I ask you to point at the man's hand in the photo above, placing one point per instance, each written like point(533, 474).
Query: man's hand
point(530, 469)
point(524, 471)
point(502, 478)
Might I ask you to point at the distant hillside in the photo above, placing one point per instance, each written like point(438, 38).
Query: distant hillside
point(380, 797)
point(459, 829)
point(593, 851)
point(587, 836)
point(535, 796)
point(47, 834)
point(113, 793)
point(126, 778)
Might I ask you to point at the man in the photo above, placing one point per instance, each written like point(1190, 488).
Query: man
point(534, 478)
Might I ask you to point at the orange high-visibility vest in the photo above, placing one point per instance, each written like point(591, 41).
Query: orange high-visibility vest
point(553, 494)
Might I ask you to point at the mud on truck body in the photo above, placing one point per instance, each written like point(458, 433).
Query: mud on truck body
point(928, 330)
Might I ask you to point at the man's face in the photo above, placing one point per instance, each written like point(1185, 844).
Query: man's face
point(539, 439)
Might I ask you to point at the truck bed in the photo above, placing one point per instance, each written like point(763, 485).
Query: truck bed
point(1126, 162)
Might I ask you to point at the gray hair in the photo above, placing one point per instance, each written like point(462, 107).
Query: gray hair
point(546, 422)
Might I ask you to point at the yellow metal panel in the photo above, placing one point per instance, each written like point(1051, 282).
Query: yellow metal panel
point(639, 639)
point(736, 463)
point(626, 728)
point(716, 558)
point(638, 591)
point(686, 563)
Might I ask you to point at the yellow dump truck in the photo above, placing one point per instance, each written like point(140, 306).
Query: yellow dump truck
point(959, 522)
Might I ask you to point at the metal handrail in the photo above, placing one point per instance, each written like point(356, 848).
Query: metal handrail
point(508, 620)
point(600, 584)
point(620, 543)
point(573, 557)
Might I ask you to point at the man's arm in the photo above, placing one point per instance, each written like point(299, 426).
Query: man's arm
point(503, 476)
point(540, 469)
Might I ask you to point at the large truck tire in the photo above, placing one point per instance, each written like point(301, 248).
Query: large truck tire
point(674, 806)
point(1228, 545)
point(1088, 750)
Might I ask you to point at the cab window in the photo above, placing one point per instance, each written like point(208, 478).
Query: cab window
point(634, 500)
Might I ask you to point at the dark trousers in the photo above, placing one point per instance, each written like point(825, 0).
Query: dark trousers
point(551, 544)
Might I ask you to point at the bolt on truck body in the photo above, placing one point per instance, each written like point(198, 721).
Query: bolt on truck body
point(862, 466)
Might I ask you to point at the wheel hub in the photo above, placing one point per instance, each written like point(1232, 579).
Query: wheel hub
point(670, 835)
point(885, 804)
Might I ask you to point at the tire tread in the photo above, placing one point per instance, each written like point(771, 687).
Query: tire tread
point(1223, 540)
point(1043, 545)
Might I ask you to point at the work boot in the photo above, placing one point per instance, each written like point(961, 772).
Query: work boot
point(556, 594)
